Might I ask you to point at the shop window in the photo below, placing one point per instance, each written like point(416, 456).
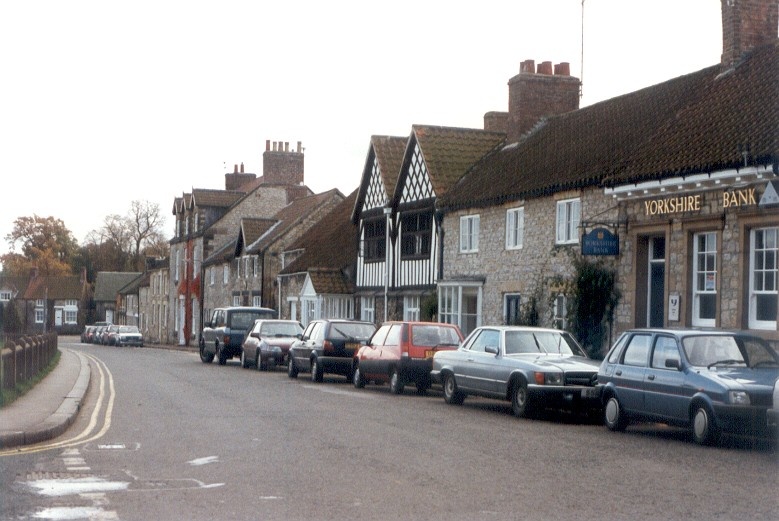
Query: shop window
point(704, 298)
point(460, 305)
point(763, 257)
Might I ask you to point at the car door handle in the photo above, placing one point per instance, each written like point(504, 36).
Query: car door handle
point(650, 377)
point(470, 359)
point(618, 372)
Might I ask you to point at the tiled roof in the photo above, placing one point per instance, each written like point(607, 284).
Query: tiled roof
point(54, 288)
point(330, 281)
point(330, 243)
point(389, 152)
point(108, 284)
point(693, 123)
point(215, 198)
point(448, 153)
point(133, 285)
point(289, 216)
point(15, 284)
point(254, 228)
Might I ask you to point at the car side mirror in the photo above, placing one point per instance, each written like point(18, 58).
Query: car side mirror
point(673, 363)
point(254, 334)
point(492, 350)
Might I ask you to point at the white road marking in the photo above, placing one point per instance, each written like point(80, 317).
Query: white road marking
point(204, 461)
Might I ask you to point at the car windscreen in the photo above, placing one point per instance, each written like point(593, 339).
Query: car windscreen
point(707, 351)
point(280, 329)
point(128, 329)
point(345, 330)
point(429, 336)
point(550, 342)
point(245, 319)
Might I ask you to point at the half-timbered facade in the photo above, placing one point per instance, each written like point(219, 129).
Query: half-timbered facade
point(372, 216)
point(434, 160)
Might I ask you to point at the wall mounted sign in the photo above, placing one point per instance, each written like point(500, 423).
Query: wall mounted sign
point(771, 194)
point(674, 303)
point(600, 241)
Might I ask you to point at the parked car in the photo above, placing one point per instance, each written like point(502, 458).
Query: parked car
point(97, 335)
point(534, 368)
point(268, 342)
point(222, 335)
point(107, 334)
point(402, 353)
point(328, 346)
point(773, 413)
point(712, 382)
point(86, 335)
point(128, 336)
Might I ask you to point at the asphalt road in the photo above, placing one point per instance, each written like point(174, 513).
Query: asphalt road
point(168, 437)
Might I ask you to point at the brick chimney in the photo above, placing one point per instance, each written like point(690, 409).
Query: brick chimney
point(282, 166)
point(536, 94)
point(747, 24)
point(238, 178)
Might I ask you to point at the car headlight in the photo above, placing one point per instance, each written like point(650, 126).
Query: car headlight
point(549, 378)
point(738, 397)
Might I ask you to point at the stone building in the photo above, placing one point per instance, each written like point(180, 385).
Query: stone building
point(243, 272)
point(318, 270)
point(206, 221)
point(681, 176)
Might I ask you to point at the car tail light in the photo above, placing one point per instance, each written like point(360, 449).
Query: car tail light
point(226, 340)
point(328, 346)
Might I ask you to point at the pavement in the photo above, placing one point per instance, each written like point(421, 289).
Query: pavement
point(48, 409)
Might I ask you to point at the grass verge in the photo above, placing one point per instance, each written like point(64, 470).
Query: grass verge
point(7, 396)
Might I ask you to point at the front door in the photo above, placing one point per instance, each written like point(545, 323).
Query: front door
point(656, 282)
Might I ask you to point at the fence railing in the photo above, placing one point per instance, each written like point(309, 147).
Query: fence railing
point(23, 357)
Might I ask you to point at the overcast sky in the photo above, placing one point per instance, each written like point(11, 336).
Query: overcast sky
point(106, 102)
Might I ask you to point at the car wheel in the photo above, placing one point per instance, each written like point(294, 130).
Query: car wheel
point(520, 401)
point(292, 370)
point(206, 358)
point(613, 417)
point(452, 395)
point(244, 362)
point(357, 379)
point(221, 355)
point(704, 429)
point(396, 384)
point(316, 370)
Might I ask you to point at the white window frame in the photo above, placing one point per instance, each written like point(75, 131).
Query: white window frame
point(763, 281)
point(39, 303)
point(560, 311)
point(225, 274)
point(178, 262)
point(257, 301)
point(212, 271)
point(707, 255)
point(5, 296)
point(411, 308)
point(39, 315)
point(367, 309)
point(256, 263)
point(567, 221)
point(469, 233)
point(450, 304)
point(236, 300)
point(515, 228)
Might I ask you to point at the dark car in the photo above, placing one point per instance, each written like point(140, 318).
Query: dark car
point(712, 382)
point(268, 342)
point(222, 335)
point(328, 346)
point(533, 368)
point(402, 353)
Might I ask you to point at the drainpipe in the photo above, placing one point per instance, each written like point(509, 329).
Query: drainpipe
point(387, 214)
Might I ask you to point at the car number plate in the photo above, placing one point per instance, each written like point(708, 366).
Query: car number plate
point(352, 345)
point(590, 392)
point(429, 353)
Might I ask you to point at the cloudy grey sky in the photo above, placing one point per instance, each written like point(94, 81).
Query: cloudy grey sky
point(106, 102)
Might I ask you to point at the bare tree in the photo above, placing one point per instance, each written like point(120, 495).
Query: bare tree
point(144, 223)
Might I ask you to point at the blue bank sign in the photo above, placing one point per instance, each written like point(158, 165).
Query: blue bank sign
point(600, 241)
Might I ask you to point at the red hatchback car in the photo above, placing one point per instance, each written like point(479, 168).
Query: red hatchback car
point(402, 352)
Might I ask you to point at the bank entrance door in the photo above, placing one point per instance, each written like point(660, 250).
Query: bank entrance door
point(656, 284)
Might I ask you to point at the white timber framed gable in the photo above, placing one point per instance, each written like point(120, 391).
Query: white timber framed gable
point(417, 243)
point(374, 227)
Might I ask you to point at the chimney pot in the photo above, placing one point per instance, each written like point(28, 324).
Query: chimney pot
point(528, 66)
point(286, 146)
point(562, 69)
point(545, 68)
point(300, 145)
point(267, 145)
point(242, 167)
point(235, 168)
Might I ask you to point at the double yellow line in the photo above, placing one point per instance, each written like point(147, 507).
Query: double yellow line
point(96, 428)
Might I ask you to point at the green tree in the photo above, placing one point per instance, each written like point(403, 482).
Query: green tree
point(594, 298)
